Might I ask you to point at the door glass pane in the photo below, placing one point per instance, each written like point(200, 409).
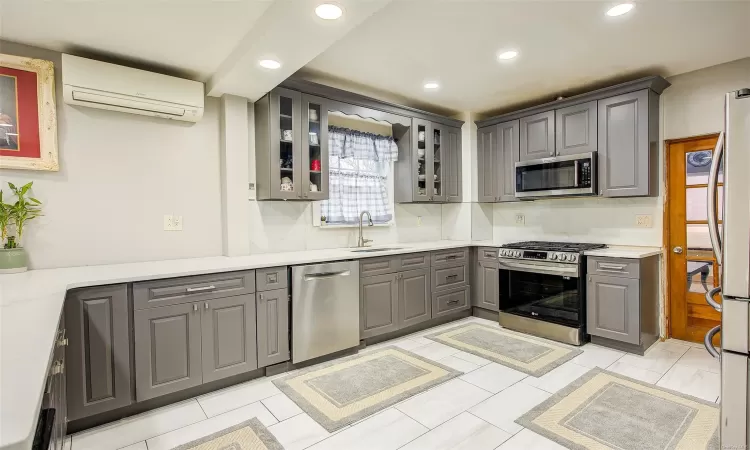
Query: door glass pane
point(286, 144)
point(696, 203)
point(421, 161)
point(700, 276)
point(720, 202)
point(314, 114)
point(697, 237)
point(438, 163)
point(698, 166)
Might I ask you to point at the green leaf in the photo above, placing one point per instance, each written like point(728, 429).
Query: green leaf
point(32, 199)
point(12, 186)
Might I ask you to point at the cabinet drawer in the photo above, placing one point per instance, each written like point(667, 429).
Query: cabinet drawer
point(413, 261)
point(444, 303)
point(270, 279)
point(487, 254)
point(460, 255)
point(377, 266)
point(449, 277)
point(173, 291)
point(614, 267)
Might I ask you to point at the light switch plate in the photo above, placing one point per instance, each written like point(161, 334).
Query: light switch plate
point(419, 221)
point(520, 219)
point(177, 223)
point(644, 220)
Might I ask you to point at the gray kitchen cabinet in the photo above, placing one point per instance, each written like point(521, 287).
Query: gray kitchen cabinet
point(487, 285)
point(98, 353)
point(450, 301)
point(537, 136)
point(415, 305)
point(508, 148)
point(379, 305)
point(628, 144)
point(576, 129)
point(454, 166)
point(613, 308)
point(273, 327)
point(228, 337)
point(487, 163)
point(167, 349)
point(284, 147)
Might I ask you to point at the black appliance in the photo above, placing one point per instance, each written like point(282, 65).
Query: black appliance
point(543, 289)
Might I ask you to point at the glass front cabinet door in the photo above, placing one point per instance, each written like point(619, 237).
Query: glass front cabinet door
point(285, 181)
point(421, 160)
point(438, 163)
point(314, 161)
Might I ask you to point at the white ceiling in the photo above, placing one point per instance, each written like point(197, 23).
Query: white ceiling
point(390, 48)
point(562, 44)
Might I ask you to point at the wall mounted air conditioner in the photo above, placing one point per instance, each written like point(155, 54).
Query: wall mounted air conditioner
point(108, 86)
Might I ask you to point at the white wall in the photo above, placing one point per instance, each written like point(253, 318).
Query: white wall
point(119, 174)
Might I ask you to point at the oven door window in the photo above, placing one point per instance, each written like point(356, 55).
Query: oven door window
point(547, 176)
point(553, 298)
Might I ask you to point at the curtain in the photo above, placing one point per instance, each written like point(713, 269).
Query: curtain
point(359, 167)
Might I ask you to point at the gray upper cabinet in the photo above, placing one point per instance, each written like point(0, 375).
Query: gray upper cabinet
point(285, 122)
point(537, 136)
point(273, 327)
point(487, 284)
point(415, 305)
point(613, 308)
point(628, 130)
point(98, 354)
point(575, 129)
point(453, 165)
point(379, 305)
point(487, 163)
point(508, 147)
point(167, 349)
point(228, 337)
point(437, 161)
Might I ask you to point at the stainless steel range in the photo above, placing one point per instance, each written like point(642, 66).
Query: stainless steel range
point(542, 289)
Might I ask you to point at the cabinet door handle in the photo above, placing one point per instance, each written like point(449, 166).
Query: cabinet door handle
point(205, 305)
point(201, 288)
point(260, 296)
point(589, 278)
point(195, 307)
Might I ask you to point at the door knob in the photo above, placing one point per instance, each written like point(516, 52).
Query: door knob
point(677, 250)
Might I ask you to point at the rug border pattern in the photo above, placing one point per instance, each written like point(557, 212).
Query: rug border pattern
point(268, 439)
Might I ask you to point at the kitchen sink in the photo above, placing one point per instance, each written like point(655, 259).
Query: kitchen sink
point(372, 250)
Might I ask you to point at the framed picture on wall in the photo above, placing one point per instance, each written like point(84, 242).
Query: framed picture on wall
point(28, 116)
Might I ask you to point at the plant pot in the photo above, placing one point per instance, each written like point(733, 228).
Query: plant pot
point(13, 260)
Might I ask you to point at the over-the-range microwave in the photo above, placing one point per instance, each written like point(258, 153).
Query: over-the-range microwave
point(558, 176)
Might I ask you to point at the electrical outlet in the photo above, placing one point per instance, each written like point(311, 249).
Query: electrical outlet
point(172, 223)
point(177, 223)
point(644, 220)
point(419, 221)
point(520, 219)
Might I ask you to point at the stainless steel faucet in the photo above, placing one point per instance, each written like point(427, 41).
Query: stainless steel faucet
point(362, 241)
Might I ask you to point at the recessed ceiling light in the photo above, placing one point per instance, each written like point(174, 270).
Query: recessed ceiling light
point(269, 64)
point(431, 85)
point(329, 11)
point(622, 8)
point(509, 54)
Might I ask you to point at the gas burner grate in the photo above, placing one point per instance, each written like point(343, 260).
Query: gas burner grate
point(553, 246)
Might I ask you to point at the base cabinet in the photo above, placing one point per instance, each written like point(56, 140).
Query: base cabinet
point(98, 354)
point(273, 326)
point(613, 308)
point(486, 286)
point(228, 337)
point(167, 349)
point(414, 297)
point(379, 307)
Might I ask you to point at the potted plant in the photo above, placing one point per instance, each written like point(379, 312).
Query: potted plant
point(12, 256)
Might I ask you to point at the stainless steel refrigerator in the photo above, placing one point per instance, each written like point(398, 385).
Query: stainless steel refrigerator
point(731, 245)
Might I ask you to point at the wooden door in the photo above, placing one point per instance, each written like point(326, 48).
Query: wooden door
point(167, 349)
point(273, 327)
point(486, 163)
point(379, 305)
point(537, 136)
point(415, 304)
point(228, 337)
point(692, 266)
point(98, 378)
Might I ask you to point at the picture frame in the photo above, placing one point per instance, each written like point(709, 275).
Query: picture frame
point(314, 139)
point(28, 114)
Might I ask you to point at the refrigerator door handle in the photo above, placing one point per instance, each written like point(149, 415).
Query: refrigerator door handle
point(713, 178)
point(710, 298)
point(709, 345)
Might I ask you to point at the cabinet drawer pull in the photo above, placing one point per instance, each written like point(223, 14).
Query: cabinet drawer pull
point(451, 257)
point(612, 266)
point(488, 255)
point(451, 277)
point(57, 368)
point(200, 289)
point(452, 302)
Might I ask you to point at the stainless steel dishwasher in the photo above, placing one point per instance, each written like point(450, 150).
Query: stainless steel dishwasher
point(325, 309)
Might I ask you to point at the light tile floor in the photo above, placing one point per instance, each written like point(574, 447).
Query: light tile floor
point(474, 411)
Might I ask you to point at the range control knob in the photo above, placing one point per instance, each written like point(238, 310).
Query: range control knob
point(518, 254)
point(563, 257)
point(573, 258)
point(553, 257)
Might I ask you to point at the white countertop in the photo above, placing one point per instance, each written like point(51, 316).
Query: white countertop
point(616, 251)
point(31, 304)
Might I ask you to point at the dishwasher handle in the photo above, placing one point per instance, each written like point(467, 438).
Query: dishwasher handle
point(327, 275)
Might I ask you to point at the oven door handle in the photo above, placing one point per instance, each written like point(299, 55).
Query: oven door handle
point(570, 270)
